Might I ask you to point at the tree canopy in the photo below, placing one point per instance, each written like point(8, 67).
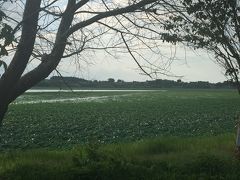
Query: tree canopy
point(213, 25)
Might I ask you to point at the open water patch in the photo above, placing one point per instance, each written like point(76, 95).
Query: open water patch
point(74, 100)
point(93, 90)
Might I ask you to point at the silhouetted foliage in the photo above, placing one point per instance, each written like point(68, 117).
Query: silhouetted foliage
point(213, 25)
point(6, 35)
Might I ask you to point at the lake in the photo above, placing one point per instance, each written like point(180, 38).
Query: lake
point(91, 90)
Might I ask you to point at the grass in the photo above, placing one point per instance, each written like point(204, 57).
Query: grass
point(160, 158)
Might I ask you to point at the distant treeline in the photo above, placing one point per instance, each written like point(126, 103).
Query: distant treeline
point(73, 82)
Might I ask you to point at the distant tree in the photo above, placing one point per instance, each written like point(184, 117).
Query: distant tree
point(120, 81)
point(111, 80)
point(179, 81)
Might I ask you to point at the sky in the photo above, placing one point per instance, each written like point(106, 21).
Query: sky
point(196, 66)
point(189, 66)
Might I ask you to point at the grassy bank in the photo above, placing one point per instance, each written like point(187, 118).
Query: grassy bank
point(162, 158)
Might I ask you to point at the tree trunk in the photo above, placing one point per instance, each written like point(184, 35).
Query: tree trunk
point(3, 110)
point(20, 59)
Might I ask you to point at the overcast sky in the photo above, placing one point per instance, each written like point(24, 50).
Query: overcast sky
point(191, 66)
point(196, 66)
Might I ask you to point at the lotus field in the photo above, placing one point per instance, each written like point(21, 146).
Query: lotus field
point(65, 119)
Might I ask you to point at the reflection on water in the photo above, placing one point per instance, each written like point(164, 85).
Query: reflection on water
point(92, 90)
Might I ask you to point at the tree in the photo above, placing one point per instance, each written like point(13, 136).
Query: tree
point(120, 81)
point(179, 81)
point(111, 80)
point(213, 25)
point(50, 32)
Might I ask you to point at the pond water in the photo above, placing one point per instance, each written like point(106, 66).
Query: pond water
point(92, 90)
point(95, 97)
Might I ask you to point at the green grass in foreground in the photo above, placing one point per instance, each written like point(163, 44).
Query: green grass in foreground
point(161, 158)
